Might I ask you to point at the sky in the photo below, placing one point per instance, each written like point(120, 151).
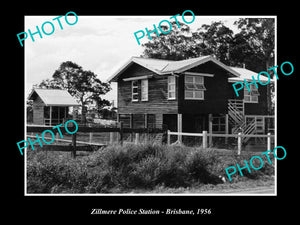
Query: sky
point(101, 44)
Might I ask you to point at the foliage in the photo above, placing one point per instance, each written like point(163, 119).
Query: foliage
point(82, 84)
point(258, 34)
point(124, 168)
point(252, 45)
point(215, 39)
point(175, 45)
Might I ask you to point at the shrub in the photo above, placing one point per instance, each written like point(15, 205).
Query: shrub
point(146, 172)
point(119, 168)
point(53, 170)
point(198, 166)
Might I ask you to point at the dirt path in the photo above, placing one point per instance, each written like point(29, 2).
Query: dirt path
point(268, 190)
point(258, 190)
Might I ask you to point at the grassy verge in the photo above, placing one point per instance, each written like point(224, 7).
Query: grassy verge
point(138, 168)
point(243, 186)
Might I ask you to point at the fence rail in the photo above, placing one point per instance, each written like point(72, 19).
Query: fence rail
point(40, 128)
point(121, 130)
point(84, 129)
point(239, 137)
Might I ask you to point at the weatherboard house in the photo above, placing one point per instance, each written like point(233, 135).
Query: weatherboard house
point(190, 95)
point(51, 106)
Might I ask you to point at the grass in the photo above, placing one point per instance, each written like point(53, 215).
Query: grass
point(241, 186)
point(146, 168)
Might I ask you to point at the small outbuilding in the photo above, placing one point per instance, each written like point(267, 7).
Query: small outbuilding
point(51, 106)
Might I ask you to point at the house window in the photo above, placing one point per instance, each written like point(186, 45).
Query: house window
point(135, 93)
point(251, 96)
point(218, 124)
point(194, 87)
point(171, 87)
point(144, 89)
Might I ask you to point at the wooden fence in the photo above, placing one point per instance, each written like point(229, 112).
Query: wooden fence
point(135, 133)
point(73, 147)
point(205, 136)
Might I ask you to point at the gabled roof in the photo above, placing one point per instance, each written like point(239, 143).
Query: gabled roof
point(246, 74)
point(161, 66)
point(53, 97)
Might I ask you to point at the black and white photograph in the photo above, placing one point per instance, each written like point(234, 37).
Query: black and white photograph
point(171, 106)
point(157, 117)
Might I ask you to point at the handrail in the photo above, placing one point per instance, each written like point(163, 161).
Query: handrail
point(249, 130)
point(235, 110)
point(244, 126)
point(236, 114)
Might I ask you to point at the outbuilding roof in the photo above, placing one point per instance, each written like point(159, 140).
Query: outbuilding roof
point(53, 97)
point(161, 66)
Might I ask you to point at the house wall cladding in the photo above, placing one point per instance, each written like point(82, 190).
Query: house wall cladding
point(216, 95)
point(157, 94)
point(219, 90)
point(260, 108)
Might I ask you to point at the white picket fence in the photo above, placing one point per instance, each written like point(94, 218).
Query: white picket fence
point(205, 136)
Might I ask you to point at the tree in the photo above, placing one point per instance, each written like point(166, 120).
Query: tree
point(50, 84)
point(83, 85)
point(259, 34)
point(253, 45)
point(241, 53)
point(180, 43)
point(216, 39)
point(175, 45)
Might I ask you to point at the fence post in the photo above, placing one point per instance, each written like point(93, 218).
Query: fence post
point(56, 138)
point(91, 137)
point(179, 127)
point(239, 143)
point(210, 125)
point(204, 139)
point(147, 137)
point(121, 134)
point(168, 137)
point(269, 141)
point(73, 153)
point(111, 138)
point(137, 138)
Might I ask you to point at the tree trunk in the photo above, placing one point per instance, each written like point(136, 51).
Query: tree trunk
point(83, 113)
point(269, 96)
